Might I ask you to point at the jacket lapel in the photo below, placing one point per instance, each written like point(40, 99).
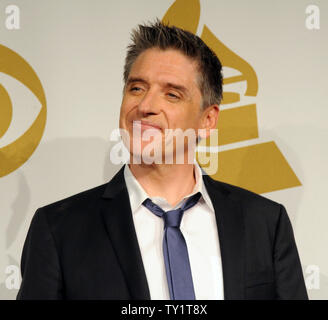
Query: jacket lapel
point(230, 223)
point(117, 215)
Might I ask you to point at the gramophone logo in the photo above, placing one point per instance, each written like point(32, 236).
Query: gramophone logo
point(259, 167)
point(13, 155)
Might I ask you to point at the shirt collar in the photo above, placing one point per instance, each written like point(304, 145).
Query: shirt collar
point(138, 195)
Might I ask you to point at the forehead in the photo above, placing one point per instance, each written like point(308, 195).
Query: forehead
point(165, 65)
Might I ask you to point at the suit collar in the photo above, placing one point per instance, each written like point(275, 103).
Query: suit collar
point(230, 223)
point(115, 185)
point(137, 194)
point(117, 216)
point(229, 217)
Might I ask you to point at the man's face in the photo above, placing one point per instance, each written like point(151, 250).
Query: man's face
point(161, 93)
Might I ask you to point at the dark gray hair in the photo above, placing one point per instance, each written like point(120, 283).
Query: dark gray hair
point(159, 35)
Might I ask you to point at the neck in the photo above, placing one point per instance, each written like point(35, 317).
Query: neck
point(169, 181)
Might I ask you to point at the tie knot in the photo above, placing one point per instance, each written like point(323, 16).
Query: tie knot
point(173, 218)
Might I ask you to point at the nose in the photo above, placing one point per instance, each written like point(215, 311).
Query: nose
point(148, 105)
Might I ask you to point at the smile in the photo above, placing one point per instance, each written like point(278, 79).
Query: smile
point(145, 125)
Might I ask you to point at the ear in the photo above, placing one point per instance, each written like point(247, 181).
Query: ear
point(209, 120)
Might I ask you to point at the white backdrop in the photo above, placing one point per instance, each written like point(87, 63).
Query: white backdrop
point(77, 49)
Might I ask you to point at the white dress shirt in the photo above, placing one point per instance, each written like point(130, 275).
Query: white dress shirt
point(199, 229)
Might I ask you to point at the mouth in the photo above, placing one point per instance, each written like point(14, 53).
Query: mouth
point(145, 125)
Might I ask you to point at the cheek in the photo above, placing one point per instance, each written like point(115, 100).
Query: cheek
point(125, 109)
point(123, 116)
point(190, 121)
point(189, 115)
point(122, 112)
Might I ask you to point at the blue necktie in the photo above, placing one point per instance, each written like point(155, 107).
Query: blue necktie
point(177, 266)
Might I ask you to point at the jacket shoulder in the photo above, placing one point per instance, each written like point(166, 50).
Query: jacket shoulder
point(74, 207)
point(77, 199)
point(250, 202)
point(239, 193)
point(261, 215)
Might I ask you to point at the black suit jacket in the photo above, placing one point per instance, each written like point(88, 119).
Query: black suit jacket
point(85, 247)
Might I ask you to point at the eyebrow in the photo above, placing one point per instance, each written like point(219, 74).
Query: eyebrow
point(179, 87)
point(133, 80)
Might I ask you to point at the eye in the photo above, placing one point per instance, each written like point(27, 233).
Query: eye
point(173, 96)
point(135, 89)
point(25, 109)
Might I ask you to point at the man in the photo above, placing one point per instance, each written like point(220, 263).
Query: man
point(163, 230)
